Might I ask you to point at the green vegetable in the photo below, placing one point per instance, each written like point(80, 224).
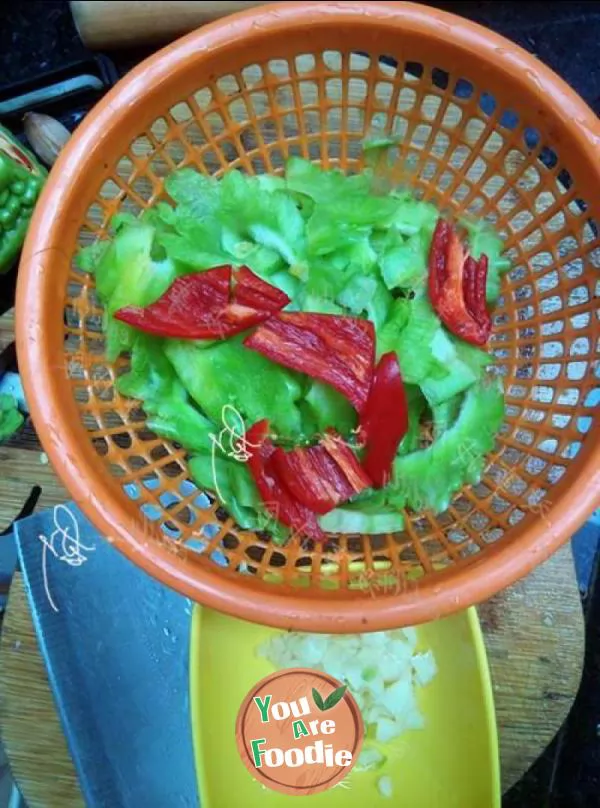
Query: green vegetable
point(351, 215)
point(89, 257)
point(230, 480)
point(403, 261)
point(19, 191)
point(457, 366)
point(262, 260)
point(336, 245)
point(230, 476)
point(11, 419)
point(483, 240)
point(324, 187)
point(427, 479)
point(381, 143)
point(328, 276)
point(388, 337)
point(415, 354)
point(449, 376)
point(197, 250)
point(445, 414)
point(368, 513)
point(287, 283)
point(413, 216)
point(119, 337)
point(472, 356)
point(149, 216)
point(319, 305)
point(127, 275)
point(330, 409)
point(366, 295)
point(417, 405)
point(348, 519)
point(429, 356)
point(229, 373)
point(269, 219)
point(153, 380)
point(196, 195)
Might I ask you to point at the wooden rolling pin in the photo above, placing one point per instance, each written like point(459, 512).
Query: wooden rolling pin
point(105, 24)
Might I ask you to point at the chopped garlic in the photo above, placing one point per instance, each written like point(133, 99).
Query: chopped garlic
point(381, 669)
point(384, 784)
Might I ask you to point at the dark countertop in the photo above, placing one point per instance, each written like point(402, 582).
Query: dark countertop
point(39, 36)
point(565, 36)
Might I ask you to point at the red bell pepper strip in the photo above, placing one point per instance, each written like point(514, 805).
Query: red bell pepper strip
point(203, 305)
point(275, 496)
point(337, 350)
point(322, 476)
point(457, 286)
point(384, 421)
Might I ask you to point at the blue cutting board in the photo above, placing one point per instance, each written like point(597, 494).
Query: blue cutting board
point(116, 645)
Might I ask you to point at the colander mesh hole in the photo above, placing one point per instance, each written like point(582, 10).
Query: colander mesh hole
point(181, 112)
point(463, 89)
point(175, 150)
point(305, 63)
point(137, 462)
point(195, 135)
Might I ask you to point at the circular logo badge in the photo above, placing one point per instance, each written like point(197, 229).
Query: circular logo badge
point(299, 731)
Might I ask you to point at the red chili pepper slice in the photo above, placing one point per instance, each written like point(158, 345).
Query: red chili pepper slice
point(276, 498)
point(322, 476)
point(475, 276)
point(337, 350)
point(203, 305)
point(457, 286)
point(385, 420)
point(347, 461)
point(250, 290)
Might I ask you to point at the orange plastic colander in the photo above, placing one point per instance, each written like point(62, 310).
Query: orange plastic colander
point(485, 129)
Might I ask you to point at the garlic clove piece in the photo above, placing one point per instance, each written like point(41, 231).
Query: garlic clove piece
point(46, 135)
